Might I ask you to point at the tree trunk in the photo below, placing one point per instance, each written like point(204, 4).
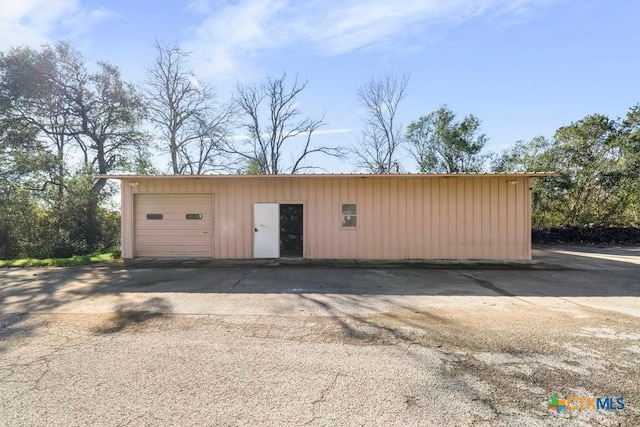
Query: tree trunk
point(92, 226)
point(174, 159)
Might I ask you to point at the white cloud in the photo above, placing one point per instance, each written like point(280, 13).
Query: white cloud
point(34, 22)
point(29, 21)
point(231, 36)
point(199, 6)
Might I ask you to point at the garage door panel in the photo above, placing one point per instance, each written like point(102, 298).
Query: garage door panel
point(173, 235)
point(176, 209)
point(173, 201)
point(166, 216)
point(172, 198)
point(162, 225)
point(201, 240)
point(173, 251)
point(186, 233)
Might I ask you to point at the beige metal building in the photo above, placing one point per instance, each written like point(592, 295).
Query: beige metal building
point(412, 216)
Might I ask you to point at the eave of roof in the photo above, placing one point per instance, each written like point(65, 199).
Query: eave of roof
point(352, 175)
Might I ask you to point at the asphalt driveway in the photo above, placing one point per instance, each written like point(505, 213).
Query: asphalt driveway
point(322, 344)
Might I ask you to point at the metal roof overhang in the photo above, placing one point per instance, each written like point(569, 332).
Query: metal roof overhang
point(354, 175)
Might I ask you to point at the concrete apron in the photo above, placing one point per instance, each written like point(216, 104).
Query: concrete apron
point(555, 279)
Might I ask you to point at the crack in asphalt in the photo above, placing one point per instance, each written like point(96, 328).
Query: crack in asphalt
point(490, 286)
point(492, 407)
point(411, 401)
point(129, 421)
point(487, 285)
point(322, 398)
point(244, 276)
point(34, 383)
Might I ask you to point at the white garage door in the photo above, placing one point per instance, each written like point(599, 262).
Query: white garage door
point(173, 225)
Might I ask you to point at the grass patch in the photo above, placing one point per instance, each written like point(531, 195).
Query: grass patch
point(99, 256)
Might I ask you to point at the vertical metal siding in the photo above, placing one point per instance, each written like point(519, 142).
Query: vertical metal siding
point(397, 217)
point(126, 219)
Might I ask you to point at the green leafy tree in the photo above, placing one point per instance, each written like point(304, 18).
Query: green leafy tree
point(440, 144)
point(548, 194)
point(590, 155)
point(630, 136)
point(33, 89)
point(598, 162)
point(51, 106)
point(26, 168)
point(111, 113)
point(252, 168)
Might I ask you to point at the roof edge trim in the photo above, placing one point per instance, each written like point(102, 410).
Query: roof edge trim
point(407, 175)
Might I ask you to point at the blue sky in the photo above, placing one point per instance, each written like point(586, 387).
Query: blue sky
point(524, 67)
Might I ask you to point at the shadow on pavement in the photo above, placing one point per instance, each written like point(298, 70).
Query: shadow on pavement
point(25, 292)
point(559, 272)
point(129, 315)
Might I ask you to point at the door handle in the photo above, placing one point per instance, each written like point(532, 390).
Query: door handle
point(255, 229)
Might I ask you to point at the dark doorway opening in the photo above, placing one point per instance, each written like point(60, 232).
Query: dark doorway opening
point(291, 239)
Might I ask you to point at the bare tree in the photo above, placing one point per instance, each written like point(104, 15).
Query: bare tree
point(185, 113)
point(271, 114)
point(382, 135)
point(206, 154)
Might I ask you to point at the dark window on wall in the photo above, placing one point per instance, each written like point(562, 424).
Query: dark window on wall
point(154, 216)
point(194, 216)
point(349, 215)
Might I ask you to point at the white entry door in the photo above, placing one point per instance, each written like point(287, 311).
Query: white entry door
point(266, 230)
